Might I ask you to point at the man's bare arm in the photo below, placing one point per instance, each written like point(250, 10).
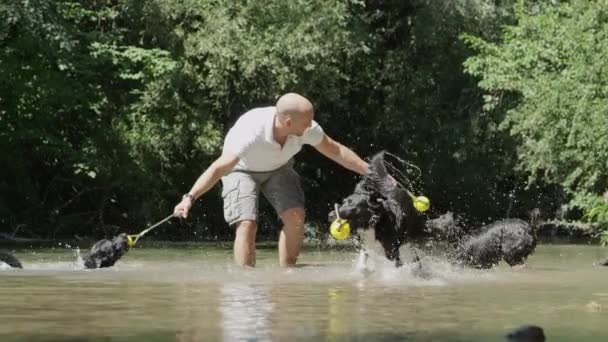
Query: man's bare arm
point(342, 155)
point(220, 167)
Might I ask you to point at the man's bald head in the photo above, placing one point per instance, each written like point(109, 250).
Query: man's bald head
point(292, 104)
point(295, 112)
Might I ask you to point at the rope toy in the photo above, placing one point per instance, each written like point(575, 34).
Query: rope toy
point(421, 203)
point(132, 239)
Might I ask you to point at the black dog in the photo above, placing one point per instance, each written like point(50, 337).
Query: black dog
point(379, 204)
point(10, 260)
point(511, 240)
point(526, 333)
point(105, 253)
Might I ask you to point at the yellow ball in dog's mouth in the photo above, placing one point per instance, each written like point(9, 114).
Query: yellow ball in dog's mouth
point(130, 241)
point(422, 203)
point(340, 229)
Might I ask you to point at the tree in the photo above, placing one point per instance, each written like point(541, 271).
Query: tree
point(548, 75)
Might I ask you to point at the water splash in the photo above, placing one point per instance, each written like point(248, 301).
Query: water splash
point(430, 270)
point(4, 267)
point(78, 260)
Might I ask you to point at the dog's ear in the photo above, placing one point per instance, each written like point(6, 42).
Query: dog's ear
point(395, 208)
point(443, 223)
point(377, 166)
point(376, 179)
point(448, 225)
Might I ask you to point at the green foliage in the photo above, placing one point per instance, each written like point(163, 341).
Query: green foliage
point(604, 238)
point(548, 76)
point(109, 103)
point(61, 101)
point(596, 212)
point(109, 110)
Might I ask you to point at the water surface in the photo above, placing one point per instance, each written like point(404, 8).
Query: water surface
point(192, 292)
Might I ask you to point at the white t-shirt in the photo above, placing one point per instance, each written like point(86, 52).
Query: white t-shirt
point(252, 140)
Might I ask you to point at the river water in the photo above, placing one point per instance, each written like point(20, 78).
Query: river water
point(192, 292)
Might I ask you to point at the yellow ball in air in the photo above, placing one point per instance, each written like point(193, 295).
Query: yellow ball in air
point(422, 203)
point(340, 229)
point(130, 241)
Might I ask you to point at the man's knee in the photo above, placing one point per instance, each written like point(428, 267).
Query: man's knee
point(294, 217)
point(246, 229)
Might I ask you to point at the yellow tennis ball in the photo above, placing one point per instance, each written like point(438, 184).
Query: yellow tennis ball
point(422, 203)
point(130, 241)
point(340, 229)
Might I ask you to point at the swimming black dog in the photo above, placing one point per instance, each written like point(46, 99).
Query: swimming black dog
point(10, 260)
point(526, 333)
point(105, 253)
point(511, 240)
point(379, 204)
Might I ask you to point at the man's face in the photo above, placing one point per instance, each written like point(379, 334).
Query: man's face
point(301, 123)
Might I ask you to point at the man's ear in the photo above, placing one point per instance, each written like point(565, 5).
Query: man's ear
point(288, 121)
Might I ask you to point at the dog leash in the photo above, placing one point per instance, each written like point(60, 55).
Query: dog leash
point(132, 239)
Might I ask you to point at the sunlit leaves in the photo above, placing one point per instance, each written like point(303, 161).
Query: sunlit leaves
point(553, 59)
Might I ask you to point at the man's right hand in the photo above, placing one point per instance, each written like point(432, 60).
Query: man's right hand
point(182, 208)
point(220, 167)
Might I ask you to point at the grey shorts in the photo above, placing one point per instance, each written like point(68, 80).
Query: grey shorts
point(241, 192)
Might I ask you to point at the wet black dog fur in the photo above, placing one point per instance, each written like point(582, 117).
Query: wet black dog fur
point(105, 253)
point(511, 240)
point(378, 203)
point(10, 260)
point(526, 333)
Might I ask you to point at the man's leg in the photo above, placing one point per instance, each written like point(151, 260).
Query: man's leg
point(284, 191)
point(244, 243)
point(291, 236)
point(240, 192)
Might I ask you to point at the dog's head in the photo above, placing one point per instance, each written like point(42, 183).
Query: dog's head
point(358, 207)
point(446, 226)
point(376, 194)
point(120, 244)
point(526, 333)
point(106, 252)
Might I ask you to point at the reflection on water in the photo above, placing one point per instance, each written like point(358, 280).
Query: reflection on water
point(176, 294)
point(246, 313)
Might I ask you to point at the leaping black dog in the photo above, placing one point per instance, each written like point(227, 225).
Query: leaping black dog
point(379, 204)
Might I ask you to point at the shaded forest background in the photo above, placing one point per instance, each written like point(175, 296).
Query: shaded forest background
point(110, 109)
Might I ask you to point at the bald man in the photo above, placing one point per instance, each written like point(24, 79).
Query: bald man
point(257, 157)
